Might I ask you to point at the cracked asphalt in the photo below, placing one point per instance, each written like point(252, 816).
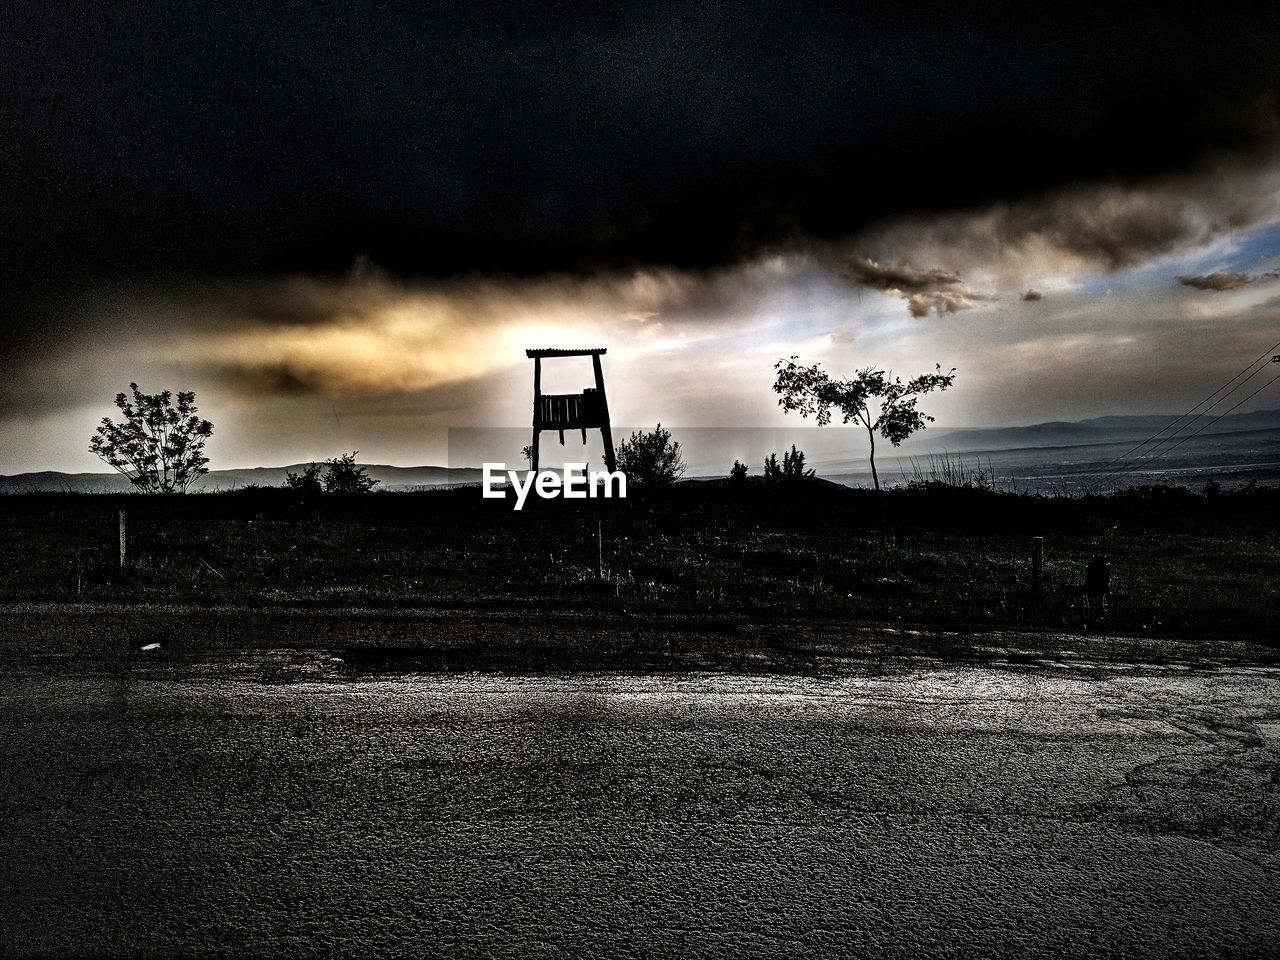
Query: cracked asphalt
point(285, 803)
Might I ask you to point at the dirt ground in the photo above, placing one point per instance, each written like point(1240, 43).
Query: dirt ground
point(272, 783)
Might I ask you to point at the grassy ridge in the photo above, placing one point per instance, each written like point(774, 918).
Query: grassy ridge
point(1183, 564)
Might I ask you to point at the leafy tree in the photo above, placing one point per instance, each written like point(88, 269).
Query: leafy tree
point(343, 475)
point(651, 460)
point(307, 483)
point(159, 446)
point(882, 403)
point(338, 475)
point(527, 452)
point(738, 474)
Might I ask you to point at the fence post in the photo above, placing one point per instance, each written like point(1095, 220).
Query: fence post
point(124, 541)
point(599, 549)
point(1037, 565)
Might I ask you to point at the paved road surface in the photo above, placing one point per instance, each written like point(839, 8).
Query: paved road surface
point(288, 804)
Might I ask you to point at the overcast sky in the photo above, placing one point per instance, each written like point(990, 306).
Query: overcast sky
point(341, 224)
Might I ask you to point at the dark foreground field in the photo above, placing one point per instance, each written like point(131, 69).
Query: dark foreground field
point(823, 724)
point(250, 787)
point(1182, 564)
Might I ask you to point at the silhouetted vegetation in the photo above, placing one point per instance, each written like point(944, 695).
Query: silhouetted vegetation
point(652, 461)
point(792, 470)
point(945, 471)
point(307, 483)
point(772, 469)
point(881, 402)
point(343, 475)
point(339, 475)
point(159, 446)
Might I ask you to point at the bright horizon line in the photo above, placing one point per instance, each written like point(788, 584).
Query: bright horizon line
point(888, 454)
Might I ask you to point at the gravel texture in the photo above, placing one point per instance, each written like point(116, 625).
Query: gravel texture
point(283, 802)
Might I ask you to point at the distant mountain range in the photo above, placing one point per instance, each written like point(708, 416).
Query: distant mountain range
point(1061, 433)
point(388, 477)
point(1098, 430)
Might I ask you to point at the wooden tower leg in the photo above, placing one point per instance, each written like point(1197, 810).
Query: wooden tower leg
point(609, 462)
point(537, 406)
point(605, 432)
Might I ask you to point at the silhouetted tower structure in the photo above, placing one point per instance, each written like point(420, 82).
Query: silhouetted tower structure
point(588, 410)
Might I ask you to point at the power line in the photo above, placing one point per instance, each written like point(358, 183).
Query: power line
point(1225, 412)
point(1230, 387)
point(1265, 355)
point(1154, 451)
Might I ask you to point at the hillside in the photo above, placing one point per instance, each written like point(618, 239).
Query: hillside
point(1112, 429)
point(389, 478)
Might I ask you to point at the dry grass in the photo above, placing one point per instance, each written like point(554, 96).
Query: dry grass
point(1183, 564)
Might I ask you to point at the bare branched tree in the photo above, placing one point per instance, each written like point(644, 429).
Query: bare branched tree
point(159, 446)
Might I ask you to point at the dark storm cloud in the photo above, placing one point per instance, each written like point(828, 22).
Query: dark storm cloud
point(924, 290)
point(1114, 227)
point(230, 140)
point(1104, 227)
point(1219, 281)
point(903, 277)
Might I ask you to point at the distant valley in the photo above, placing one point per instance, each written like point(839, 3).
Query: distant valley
point(1040, 454)
point(1096, 430)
